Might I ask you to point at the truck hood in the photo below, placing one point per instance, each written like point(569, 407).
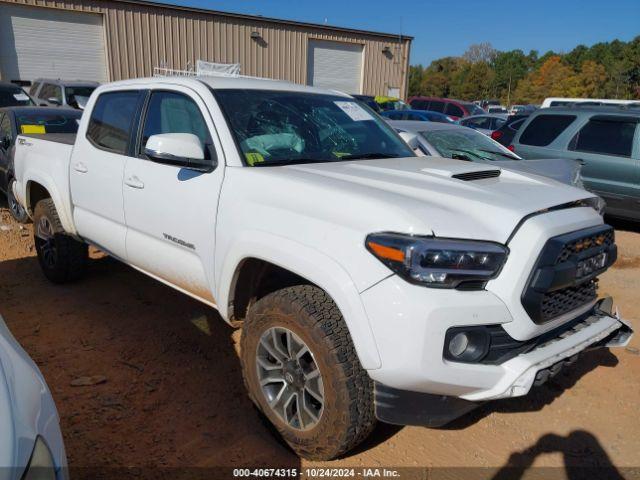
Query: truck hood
point(563, 170)
point(438, 196)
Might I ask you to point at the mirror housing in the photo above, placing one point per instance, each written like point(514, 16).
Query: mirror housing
point(411, 139)
point(54, 100)
point(178, 149)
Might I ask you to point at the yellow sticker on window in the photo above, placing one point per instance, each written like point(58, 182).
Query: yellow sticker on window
point(34, 129)
point(253, 158)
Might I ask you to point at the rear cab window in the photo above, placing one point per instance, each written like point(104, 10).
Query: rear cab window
point(606, 135)
point(544, 129)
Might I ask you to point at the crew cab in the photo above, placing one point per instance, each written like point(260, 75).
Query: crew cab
point(369, 283)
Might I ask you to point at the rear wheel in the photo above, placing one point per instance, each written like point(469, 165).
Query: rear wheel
point(301, 370)
point(16, 210)
point(61, 257)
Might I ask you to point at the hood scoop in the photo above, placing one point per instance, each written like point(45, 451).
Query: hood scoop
point(479, 175)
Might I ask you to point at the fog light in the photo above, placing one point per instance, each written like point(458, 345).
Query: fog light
point(458, 344)
point(467, 344)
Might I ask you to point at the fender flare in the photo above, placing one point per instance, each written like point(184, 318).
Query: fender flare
point(50, 186)
point(311, 264)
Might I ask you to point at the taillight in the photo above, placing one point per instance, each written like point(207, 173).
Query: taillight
point(496, 134)
point(510, 147)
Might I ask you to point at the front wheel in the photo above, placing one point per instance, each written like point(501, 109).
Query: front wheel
point(301, 370)
point(17, 211)
point(62, 258)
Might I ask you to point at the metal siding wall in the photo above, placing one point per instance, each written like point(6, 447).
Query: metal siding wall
point(140, 37)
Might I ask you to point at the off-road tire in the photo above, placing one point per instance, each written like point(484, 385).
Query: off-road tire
point(18, 213)
point(348, 416)
point(71, 255)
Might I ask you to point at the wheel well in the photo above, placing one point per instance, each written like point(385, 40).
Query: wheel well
point(35, 193)
point(255, 279)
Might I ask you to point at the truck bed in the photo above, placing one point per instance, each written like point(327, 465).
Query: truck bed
point(65, 138)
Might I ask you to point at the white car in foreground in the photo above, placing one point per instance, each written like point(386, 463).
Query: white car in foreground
point(369, 282)
point(31, 446)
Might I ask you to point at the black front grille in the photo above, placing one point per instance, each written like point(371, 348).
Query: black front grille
point(481, 175)
point(559, 283)
point(567, 299)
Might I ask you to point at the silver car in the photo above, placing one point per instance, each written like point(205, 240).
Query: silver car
point(62, 93)
point(462, 143)
point(486, 123)
point(31, 445)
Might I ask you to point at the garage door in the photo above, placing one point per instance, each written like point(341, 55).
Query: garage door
point(335, 65)
point(44, 42)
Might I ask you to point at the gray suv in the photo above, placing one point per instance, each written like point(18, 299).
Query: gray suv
point(62, 93)
point(606, 140)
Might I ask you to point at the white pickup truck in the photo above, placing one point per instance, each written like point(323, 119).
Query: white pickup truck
point(369, 282)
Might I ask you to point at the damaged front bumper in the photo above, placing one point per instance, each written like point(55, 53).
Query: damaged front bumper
point(602, 327)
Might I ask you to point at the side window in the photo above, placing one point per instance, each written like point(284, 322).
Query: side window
point(544, 129)
point(436, 106)
point(454, 110)
point(172, 112)
point(56, 92)
point(5, 128)
point(112, 120)
point(609, 137)
point(419, 104)
point(34, 88)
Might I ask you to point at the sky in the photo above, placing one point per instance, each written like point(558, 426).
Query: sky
point(447, 27)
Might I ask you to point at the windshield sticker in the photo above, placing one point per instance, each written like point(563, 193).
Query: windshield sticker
point(21, 97)
point(253, 158)
point(355, 111)
point(33, 129)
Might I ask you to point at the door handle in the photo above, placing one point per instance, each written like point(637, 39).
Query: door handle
point(80, 167)
point(581, 161)
point(134, 182)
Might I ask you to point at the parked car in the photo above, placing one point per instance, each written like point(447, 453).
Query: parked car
point(12, 95)
point(603, 139)
point(461, 143)
point(417, 115)
point(504, 135)
point(522, 109)
point(390, 103)
point(497, 109)
point(586, 102)
point(31, 445)
point(456, 109)
point(32, 120)
point(276, 202)
point(486, 123)
point(368, 100)
point(62, 93)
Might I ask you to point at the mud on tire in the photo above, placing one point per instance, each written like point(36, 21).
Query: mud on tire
point(347, 416)
point(61, 257)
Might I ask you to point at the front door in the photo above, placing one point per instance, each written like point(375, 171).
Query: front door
point(171, 211)
point(97, 169)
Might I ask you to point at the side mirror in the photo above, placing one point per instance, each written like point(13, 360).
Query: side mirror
point(54, 100)
point(410, 139)
point(178, 149)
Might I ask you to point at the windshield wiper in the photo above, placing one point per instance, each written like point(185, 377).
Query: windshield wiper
point(289, 161)
point(470, 152)
point(366, 156)
point(511, 157)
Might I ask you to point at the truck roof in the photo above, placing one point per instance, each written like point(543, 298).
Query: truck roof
point(231, 82)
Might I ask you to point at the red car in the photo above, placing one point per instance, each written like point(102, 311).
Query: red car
point(455, 109)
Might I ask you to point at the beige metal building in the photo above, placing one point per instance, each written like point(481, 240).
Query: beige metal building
point(119, 39)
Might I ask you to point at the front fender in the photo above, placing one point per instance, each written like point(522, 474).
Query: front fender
point(310, 264)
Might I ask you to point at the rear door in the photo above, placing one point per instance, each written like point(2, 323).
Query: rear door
point(97, 169)
point(170, 210)
point(607, 146)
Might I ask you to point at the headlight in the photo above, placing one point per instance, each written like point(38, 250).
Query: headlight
point(41, 465)
point(436, 262)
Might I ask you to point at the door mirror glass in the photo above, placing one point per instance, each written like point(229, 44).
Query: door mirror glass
point(179, 149)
